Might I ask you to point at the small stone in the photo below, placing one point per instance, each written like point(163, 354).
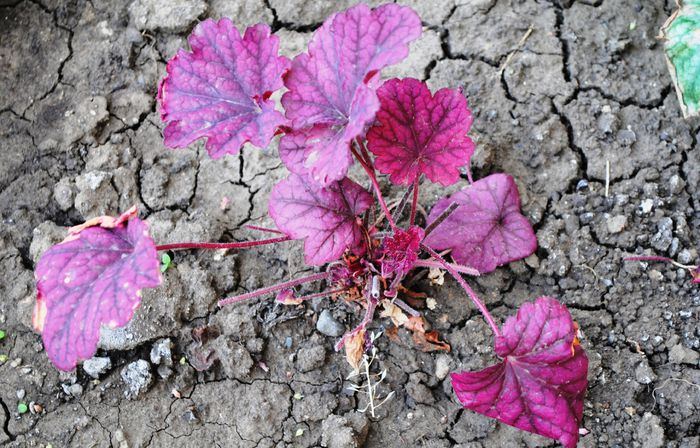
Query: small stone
point(676, 184)
point(443, 364)
point(626, 137)
point(137, 378)
point(644, 374)
point(164, 372)
point(647, 205)
point(607, 123)
point(20, 394)
point(161, 352)
point(655, 275)
point(97, 366)
point(650, 432)
point(664, 234)
point(74, 390)
point(586, 218)
point(684, 256)
point(617, 223)
point(680, 354)
point(582, 185)
point(328, 325)
point(64, 193)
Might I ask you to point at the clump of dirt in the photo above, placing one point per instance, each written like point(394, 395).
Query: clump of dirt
point(581, 113)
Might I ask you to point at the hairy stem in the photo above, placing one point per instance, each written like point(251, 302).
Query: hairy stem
point(457, 267)
point(369, 315)
point(373, 178)
point(263, 229)
point(466, 287)
point(398, 211)
point(443, 216)
point(414, 204)
point(320, 294)
point(242, 245)
point(274, 288)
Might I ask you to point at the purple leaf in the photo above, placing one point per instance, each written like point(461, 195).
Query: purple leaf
point(401, 251)
point(297, 151)
point(93, 278)
point(333, 85)
point(220, 90)
point(540, 384)
point(418, 133)
point(325, 217)
point(487, 229)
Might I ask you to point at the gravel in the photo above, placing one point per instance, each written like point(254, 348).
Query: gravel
point(328, 325)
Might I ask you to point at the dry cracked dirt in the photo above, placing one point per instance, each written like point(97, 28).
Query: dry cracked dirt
point(80, 136)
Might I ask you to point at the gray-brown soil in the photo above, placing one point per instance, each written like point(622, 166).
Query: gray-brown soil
point(80, 136)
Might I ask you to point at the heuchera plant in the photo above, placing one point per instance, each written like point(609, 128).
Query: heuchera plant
point(337, 111)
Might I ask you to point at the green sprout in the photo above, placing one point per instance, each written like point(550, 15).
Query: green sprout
point(165, 261)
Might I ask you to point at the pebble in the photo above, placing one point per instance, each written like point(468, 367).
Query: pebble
point(607, 122)
point(617, 223)
point(582, 185)
point(161, 352)
point(20, 394)
point(684, 256)
point(137, 378)
point(650, 432)
point(97, 366)
point(644, 374)
point(680, 354)
point(664, 234)
point(328, 325)
point(676, 184)
point(75, 390)
point(586, 218)
point(647, 205)
point(443, 364)
point(626, 137)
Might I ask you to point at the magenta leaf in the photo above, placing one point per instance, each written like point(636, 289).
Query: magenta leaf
point(418, 133)
point(333, 85)
point(220, 90)
point(487, 229)
point(325, 217)
point(93, 278)
point(401, 251)
point(540, 384)
point(299, 153)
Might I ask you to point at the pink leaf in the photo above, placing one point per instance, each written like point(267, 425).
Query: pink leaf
point(540, 384)
point(487, 229)
point(325, 217)
point(333, 85)
point(401, 251)
point(220, 89)
point(418, 133)
point(92, 278)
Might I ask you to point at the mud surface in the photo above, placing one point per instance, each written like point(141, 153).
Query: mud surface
point(80, 136)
